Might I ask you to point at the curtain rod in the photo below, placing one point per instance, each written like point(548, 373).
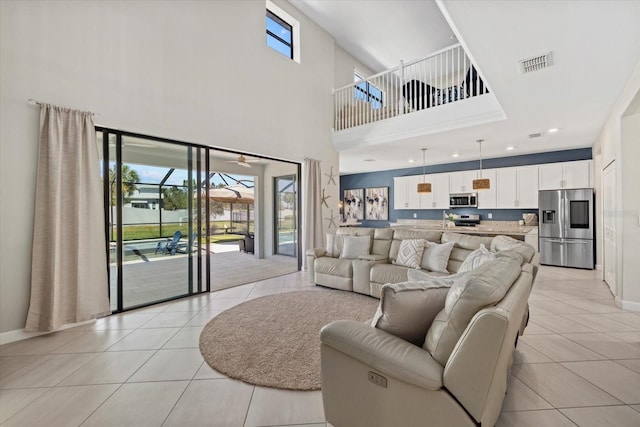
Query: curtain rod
point(32, 101)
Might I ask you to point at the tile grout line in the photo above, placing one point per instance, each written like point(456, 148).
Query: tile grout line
point(246, 415)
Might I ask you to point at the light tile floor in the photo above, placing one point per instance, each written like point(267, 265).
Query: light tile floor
point(577, 364)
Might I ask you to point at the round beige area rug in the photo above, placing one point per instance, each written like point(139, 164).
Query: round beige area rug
point(274, 341)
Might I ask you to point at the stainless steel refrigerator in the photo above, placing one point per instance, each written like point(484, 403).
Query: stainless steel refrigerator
point(567, 229)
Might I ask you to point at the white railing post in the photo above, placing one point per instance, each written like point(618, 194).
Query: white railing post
point(401, 87)
point(443, 77)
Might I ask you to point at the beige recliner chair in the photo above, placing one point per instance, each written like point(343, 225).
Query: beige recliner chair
point(457, 378)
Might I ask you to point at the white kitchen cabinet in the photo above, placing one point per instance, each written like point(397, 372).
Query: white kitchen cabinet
point(487, 199)
point(577, 174)
point(441, 180)
point(400, 193)
point(462, 182)
point(554, 176)
point(439, 196)
point(517, 187)
point(405, 192)
point(507, 188)
point(527, 187)
point(413, 197)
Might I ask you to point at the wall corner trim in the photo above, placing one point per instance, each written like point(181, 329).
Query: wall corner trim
point(631, 306)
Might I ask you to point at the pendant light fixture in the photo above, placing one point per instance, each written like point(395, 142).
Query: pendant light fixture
point(424, 187)
point(481, 184)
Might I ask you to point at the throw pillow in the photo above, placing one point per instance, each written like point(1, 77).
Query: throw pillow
point(355, 246)
point(476, 258)
point(410, 253)
point(471, 292)
point(334, 245)
point(436, 257)
point(407, 309)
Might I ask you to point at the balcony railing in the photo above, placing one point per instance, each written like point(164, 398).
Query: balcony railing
point(441, 78)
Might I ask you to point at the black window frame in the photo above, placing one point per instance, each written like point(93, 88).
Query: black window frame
point(287, 26)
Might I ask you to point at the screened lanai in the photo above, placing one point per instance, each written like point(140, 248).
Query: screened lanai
point(178, 214)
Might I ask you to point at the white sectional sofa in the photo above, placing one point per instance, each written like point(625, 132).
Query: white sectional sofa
point(455, 369)
point(366, 273)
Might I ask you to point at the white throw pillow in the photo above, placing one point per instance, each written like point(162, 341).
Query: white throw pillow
point(436, 256)
point(476, 258)
point(410, 253)
point(334, 245)
point(355, 246)
point(407, 310)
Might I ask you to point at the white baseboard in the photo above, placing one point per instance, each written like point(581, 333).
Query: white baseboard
point(599, 267)
point(20, 334)
point(631, 305)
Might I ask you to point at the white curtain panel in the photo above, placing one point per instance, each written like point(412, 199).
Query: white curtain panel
point(313, 232)
point(68, 267)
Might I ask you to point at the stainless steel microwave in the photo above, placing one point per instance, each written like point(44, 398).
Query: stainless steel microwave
point(463, 200)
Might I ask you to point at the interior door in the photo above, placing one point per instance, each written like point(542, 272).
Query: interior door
point(609, 225)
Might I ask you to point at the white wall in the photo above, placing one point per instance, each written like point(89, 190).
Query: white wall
point(630, 134)
point(619, 141)
point(345, 65)
point(196, 71)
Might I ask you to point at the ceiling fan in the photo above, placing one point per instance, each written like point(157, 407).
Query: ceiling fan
point(243, 161)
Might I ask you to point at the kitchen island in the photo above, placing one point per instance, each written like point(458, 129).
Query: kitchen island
point(528, 233)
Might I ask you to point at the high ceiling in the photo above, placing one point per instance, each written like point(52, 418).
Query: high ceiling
point(595, 45)
point(379, 33)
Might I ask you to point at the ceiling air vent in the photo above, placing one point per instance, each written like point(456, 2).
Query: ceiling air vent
point(535, 63)
point(535, 135)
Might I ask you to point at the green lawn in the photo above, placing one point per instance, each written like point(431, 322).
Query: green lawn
point(218, 231)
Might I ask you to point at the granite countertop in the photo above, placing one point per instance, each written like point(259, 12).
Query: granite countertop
point(511, 228)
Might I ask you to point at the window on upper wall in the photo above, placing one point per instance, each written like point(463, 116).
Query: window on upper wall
point(368, 92)
point(279, 35)
point(283, 32)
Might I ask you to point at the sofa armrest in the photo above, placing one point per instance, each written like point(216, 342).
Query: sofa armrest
point(373, 257)
point(474, 363)
point(316, 252)
point(384, 352)
point(312, 254)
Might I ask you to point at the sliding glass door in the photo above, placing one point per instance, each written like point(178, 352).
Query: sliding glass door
point(183, 219)
point(155, 219)
point(286, 214)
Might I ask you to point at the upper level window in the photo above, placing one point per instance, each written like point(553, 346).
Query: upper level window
point(368, 92)
point(283, 32)
point(279, 35)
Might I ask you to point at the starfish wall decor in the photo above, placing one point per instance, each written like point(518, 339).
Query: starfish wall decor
point(331, 176)
point(331, 221)
point(325, 198)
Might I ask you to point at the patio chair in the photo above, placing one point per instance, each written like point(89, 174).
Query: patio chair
point(192, 245)
point(246, 244)
point(170, 245)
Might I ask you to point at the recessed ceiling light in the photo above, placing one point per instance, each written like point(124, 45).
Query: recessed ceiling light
point(455, 155)
point(411, 160)
point(553, 130)
point(511, 147)
point(369, 160)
